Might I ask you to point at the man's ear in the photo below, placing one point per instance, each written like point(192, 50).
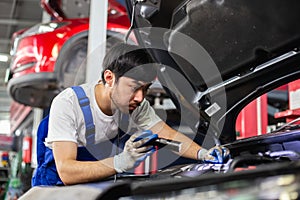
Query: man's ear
point(109, 77)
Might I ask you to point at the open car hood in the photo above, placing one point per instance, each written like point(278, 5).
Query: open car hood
point(217, 56)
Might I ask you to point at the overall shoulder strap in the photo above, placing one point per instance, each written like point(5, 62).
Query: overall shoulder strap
point(84, 103)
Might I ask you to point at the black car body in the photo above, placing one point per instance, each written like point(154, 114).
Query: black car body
point(214, 58)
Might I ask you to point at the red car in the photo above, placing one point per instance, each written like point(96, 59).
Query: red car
point(47, 56)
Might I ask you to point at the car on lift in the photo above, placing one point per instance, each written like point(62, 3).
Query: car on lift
point(49, 57)
point(214, 58)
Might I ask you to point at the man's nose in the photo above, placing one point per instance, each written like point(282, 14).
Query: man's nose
point(138, 95)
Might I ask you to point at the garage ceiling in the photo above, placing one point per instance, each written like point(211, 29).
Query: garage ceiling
point(14, 15)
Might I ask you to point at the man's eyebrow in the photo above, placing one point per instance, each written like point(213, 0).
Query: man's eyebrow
point(138, 83)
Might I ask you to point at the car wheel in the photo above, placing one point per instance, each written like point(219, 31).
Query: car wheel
point(71, 63)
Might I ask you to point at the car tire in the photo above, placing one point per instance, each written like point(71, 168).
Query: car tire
point(71, 63)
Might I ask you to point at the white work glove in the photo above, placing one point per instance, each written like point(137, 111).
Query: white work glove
point(215, 155)
point(134, 152)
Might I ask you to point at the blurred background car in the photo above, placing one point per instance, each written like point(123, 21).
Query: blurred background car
point(49, 57)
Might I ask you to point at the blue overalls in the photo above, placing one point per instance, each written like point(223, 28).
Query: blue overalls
point(46, 172)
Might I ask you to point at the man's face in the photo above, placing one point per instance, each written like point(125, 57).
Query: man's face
point(127, 94)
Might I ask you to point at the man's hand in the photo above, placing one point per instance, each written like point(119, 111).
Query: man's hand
point(215, 155)
point(135, 151)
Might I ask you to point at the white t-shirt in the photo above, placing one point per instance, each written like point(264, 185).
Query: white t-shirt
point(66, 121)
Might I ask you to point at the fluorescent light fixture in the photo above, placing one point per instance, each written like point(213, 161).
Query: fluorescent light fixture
point(5, 127)
point(4, 58)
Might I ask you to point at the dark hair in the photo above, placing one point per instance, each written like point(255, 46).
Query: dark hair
point(129, 61)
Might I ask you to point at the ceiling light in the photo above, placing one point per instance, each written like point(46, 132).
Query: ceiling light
point(3, 58)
